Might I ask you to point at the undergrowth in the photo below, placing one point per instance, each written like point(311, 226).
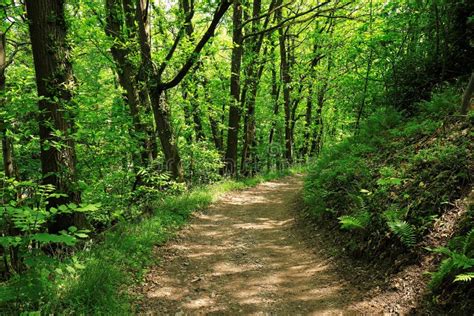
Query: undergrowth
point(94, 279)
point(388, 184)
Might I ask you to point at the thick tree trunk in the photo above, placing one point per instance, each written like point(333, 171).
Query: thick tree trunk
point(54, 81)
point(250, 89)
point(153, 80)
point(253, 74)
point(234, 110)
point(160, 109)
point(126, 71)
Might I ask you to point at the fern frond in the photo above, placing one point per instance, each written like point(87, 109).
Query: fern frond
point(404, 231)
point(357, 221)
point(350, 222)
point(468, 243)
point(446, 267)
point(464, 277)
point(462, 261)
point(442, 250)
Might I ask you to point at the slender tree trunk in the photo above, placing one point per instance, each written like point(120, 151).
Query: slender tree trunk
point(316, 140)
point(364, 92)
point(162, 117)
point(9, 166)
point(191, 110)
point(308, 122)
point(213, 121)
point(467, 96)
point(275, 96)
point(286, 81)
point(234, 110)
point(54, 80)
point(192, 106)
point(367, 75)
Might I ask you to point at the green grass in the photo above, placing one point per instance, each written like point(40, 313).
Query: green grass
point(98, 282)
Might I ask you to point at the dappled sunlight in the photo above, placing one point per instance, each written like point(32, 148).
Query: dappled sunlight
point(166, 292)
point(243, 255)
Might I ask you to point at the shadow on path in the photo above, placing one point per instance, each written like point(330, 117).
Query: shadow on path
point(244, 255)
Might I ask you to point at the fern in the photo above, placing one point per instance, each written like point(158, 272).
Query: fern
point(357, 221)
point(446, 268)
point(404, 231)
point(457, 261)
point(464, 277)
point(468, 243)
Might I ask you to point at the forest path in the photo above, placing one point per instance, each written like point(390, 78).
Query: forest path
point(245, 255)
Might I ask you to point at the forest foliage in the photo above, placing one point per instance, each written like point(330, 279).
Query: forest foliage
point(117, 111)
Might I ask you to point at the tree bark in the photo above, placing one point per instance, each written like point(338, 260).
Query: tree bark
point(54, 80)
point(234, 110)
point(467, 96)
point(286, 81)
point(275, 96)
point(308, 122)
point(126, 71)
point(9, 165)
point(160, 109)
point(152, 77)
point(213, 121)
point(253, 74)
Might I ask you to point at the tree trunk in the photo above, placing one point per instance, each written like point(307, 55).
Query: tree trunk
point(234, 110)
point(162, 116)
point(54, 80)
point(9, 166)
point(213, 121)
point(191, 110)
point(308, 121)
point(467, 96)
point(367, 75)
point(286, 80)
point(316, 140)
point(126, 71)
point(250, 89)
point(253, 74)
point(160, 109)
point(275, 96)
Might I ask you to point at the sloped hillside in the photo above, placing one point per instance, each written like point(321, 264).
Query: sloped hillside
point(398, 194)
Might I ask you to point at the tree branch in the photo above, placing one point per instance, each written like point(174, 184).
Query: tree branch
point(219, 13)
point(189, 12)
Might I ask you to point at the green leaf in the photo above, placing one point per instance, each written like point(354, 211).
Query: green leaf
point(81, 235)
point(464, 277)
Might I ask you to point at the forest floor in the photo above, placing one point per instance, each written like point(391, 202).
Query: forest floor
point(247, 254)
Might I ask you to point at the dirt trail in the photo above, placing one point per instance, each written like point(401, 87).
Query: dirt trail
point(244, 255)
